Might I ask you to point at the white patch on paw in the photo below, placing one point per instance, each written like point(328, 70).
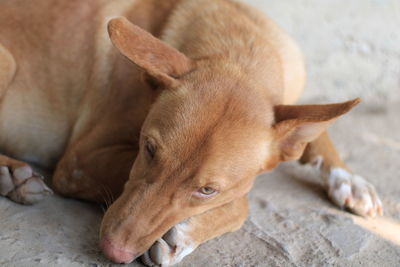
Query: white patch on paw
point(353, 192)
point(171, 248)
point(22, 185)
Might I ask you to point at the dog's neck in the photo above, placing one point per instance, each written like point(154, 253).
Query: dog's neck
point(206, 30)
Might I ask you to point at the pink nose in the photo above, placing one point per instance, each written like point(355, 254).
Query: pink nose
point(116, 254)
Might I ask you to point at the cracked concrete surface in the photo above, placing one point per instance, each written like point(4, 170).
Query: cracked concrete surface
point(352, 48)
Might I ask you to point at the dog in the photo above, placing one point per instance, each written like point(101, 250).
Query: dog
point(172, 107)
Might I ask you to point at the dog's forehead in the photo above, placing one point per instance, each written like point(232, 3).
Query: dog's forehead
point(179, 113)
point(213, 100)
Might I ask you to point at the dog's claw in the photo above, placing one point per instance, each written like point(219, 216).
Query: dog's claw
point(22, 185)
point(158, 251)
point(171, 248)
point(147, 260)
point(353, 192)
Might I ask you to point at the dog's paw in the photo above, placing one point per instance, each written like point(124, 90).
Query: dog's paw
point(353, 192)
point(171, 248)
point(22, 185)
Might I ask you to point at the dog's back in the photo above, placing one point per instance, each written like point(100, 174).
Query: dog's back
point(258, 44)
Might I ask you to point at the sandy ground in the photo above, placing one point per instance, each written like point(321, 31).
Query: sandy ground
point(352, 49)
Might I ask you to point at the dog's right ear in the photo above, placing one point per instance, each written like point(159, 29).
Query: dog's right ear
point(297, 125)
point(162, 62)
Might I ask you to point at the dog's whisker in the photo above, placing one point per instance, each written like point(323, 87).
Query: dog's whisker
point(108, 197)
point(104, 194)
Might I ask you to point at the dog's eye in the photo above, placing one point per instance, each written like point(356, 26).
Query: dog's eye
point(207, 191)
point(150, 149)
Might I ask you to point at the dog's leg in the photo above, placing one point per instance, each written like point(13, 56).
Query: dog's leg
point(183, 238)
point(346, 189)
point(94, 174)
point(17, 179)
point(20, 183)
point(7, 69)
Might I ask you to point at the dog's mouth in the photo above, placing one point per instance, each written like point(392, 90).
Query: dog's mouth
point(124, 246)
point(134, 222)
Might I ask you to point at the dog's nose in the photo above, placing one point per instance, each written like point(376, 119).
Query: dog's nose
point(116, 254)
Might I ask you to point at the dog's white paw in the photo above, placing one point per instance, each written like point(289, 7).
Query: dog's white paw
point(171, 248)
point(353, 192)
point(22, 185)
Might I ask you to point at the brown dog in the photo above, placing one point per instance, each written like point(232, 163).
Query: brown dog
point(198, 98)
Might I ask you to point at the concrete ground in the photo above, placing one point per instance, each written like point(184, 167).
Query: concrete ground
point(352, 48)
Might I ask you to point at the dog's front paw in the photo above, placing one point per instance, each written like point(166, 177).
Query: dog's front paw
point(22, 185)
point(171, 248)
point(353, 192)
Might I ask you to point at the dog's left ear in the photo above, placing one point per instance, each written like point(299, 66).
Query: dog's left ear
point(295, 126)
point(161, 61)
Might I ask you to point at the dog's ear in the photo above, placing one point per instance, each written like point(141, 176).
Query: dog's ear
point(162, 62)
point(295, 126)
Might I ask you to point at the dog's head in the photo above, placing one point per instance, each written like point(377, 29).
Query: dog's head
point(206, 137)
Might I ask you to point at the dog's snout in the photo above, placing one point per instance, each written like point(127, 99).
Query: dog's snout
point(115, 253)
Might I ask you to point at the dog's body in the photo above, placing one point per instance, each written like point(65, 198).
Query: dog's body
point(69, 99)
